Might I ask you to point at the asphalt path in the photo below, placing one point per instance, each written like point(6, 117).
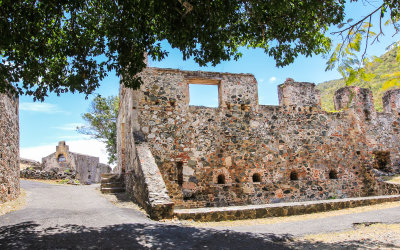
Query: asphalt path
point(79, 217)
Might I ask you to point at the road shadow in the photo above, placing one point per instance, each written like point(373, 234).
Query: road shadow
point(29, 235)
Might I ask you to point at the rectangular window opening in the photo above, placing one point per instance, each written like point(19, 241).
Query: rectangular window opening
point(203, 95)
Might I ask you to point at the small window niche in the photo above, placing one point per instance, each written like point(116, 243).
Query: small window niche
point(333, 175)
point(367, 115)
point(256, 178)
point(204, 92)
point(294, 176)
point(221, 179)
point(179, 173)
point(382, 160)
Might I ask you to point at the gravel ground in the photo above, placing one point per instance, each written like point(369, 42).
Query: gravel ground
point(369, 235)
point(121, 200)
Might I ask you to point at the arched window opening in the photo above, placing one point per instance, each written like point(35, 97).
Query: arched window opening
point(294, 176)
point(333, 174)
point(61, 158)
point(256, 177)
point(221, 179)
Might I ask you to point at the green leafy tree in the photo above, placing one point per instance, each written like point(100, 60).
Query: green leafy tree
point(350, 55)
point(101, 120)
point(71, 45)
point(381, 68)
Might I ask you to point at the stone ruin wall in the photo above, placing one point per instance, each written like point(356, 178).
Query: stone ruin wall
point(88, 169)
point(143, 179)
point(9, 148)
point(256, 149)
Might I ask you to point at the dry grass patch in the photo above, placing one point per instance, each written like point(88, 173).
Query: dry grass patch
point(14, 205)
point(58, 182)
point(378, 234)
point(393, 179)
point(275, 220)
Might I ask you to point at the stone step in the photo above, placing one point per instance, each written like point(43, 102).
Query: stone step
point(107, 175)
point(114, 178)
point(112, 184)
point(111, 190)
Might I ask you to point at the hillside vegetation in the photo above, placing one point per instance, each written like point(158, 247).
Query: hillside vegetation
point(381, 66)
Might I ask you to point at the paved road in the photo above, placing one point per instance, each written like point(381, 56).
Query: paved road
point(78, 217)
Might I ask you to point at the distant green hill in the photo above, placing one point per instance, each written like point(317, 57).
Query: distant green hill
point(386, 64)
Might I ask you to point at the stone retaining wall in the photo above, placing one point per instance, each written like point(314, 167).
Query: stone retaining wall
point(9, 148)
point(277, 210)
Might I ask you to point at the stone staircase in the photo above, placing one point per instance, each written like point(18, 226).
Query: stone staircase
point(112, 183)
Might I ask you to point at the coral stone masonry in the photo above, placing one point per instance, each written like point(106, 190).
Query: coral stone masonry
point(244, 153)
point(9, 148)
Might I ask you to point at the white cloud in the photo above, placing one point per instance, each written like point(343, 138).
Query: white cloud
point(272, 79)
point(88, 147)
point(69, 126)
point(41, 107)
point(261, 80)
point(73, 137)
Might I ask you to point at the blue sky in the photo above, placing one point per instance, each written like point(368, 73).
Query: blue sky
point(42, 125)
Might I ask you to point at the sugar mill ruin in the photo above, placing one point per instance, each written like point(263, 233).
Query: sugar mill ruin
point(174, 155)
point(64, 164)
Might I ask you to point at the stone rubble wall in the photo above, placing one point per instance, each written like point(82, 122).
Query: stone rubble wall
point(9, 148)
point(241, 138)
point(29, 173)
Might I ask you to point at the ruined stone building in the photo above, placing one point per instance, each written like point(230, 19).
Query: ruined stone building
point(88, 168)
point(9, 148)
point(175, 154)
